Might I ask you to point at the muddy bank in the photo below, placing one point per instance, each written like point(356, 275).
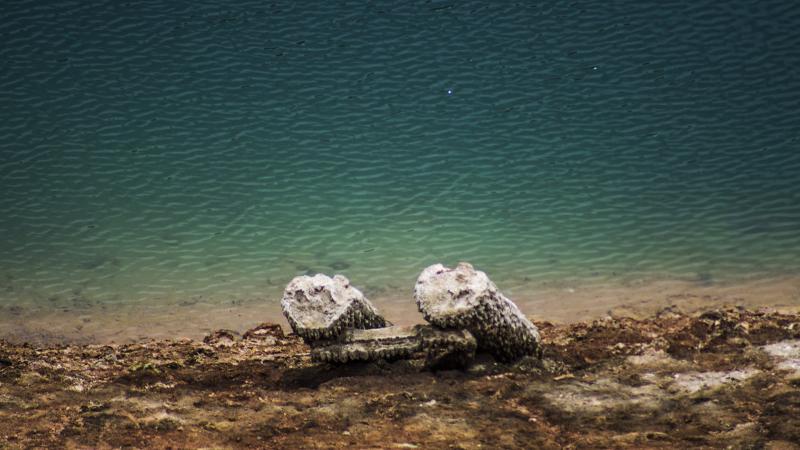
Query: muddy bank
point(722, 378)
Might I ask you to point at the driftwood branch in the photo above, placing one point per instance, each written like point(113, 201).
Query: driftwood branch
point(438, 347)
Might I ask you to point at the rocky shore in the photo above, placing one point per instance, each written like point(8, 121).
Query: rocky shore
point(723, 378)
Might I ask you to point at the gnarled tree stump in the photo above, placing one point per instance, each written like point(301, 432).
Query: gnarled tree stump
point(463, 298)
point(440, 348)
point(321, 307)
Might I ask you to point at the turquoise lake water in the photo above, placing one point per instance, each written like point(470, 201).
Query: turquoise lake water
point(161, 150)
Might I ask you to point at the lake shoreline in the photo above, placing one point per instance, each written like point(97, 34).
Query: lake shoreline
point(564, 301)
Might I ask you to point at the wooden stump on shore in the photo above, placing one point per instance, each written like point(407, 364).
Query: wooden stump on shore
point(320, 308)
point(463, 298)
point(440, 348)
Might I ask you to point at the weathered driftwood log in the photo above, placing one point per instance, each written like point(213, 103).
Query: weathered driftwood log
point(439, 347)
point(463, 298)
point(321, 307)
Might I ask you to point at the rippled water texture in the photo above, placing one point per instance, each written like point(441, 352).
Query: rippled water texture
point(170, 150)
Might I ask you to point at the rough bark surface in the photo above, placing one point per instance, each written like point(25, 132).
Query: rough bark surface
point(464, 298)
point(321, 307)
point(440, 348)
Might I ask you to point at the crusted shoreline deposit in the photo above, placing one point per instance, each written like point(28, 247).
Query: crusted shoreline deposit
point(724, 378)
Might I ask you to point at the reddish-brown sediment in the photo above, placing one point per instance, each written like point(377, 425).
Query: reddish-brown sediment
point(668, 381)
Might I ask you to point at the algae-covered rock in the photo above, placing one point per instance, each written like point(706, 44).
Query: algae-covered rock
point(321, 307)
point(464, 298)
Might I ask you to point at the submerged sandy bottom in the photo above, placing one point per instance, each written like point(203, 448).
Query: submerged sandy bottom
point(559, 302)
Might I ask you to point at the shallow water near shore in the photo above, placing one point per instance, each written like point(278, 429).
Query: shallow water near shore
point(168, 157)
point(564, 301)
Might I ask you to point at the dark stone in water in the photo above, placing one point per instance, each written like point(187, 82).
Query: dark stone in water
point(94, 263)
point(704, 279)
point(189, 302)
point(340, 265)
point(306, 270)
point(100, 261)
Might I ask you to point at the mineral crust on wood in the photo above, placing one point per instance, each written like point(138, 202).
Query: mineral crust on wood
point(439, 347)
point(464, 298)
point(321, 307)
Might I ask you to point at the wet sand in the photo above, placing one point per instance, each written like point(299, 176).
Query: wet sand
point(558, 302)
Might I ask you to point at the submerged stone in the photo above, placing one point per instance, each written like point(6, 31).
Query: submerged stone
point(340, 265)
point(464, 298)
point(321, 307)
